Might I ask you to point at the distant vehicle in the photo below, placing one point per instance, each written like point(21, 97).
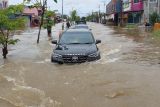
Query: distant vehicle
point(81, 22)
point(80, 26)
point(75, 46)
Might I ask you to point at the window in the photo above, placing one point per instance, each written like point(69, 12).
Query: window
point(153, 1)
point(136, 1)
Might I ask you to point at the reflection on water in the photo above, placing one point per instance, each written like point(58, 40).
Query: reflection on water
point(29, 79)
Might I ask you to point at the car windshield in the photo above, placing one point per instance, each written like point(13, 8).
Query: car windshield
point(77, 38)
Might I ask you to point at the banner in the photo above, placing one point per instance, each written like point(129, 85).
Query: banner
point(126, 5)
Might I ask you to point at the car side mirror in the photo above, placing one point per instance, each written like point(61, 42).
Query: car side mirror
point(98, 41)
point(54, 42)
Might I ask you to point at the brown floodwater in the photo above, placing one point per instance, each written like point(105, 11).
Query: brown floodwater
point(126, 76)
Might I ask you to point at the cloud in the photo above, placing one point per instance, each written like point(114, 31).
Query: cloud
point(83, 7)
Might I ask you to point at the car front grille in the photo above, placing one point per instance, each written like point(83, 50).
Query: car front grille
point(74, 58)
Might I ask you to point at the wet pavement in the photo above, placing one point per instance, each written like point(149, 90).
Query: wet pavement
point(126, 76)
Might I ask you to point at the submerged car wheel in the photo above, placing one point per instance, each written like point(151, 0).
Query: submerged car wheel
point(99, 57)
point(52, 59)
point(60, 63)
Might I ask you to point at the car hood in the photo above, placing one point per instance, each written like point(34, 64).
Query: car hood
point(79, 49)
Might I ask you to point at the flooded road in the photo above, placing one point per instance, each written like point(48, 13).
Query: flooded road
point(126, 76)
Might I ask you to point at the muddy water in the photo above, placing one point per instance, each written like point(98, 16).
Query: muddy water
point(126, 76)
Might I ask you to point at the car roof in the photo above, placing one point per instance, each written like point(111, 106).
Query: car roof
point(81, 25)
point(78, 30)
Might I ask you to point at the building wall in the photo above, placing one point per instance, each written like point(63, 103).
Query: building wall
point(150, 7)
point(137, 6)
point(3, 4)
point(134, 11)
point(110, 8)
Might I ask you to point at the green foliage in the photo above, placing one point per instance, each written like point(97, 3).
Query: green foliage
point(91, 17)
point(73, 15)
point(10, 20)
point(48, 19)
point(49, 14)
point(154, 17)
point(4, 39)
point(15, 9)
point(156, 33)
point(38, 1)
point(131, 26)
point(78, 18)
point(48, 23)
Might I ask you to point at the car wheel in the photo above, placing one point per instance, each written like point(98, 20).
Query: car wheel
point(52, 59)
point(99, 57)
point(60, 63)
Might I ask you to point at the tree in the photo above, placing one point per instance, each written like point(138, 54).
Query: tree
point(92, 17)
point(78, 18)
point(42, 4)
point(49, 22)
point(10, 20)
point(154, 17)
point(73, 15)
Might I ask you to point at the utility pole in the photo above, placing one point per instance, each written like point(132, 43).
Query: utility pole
point(62, 17)
point(148, 10)
point(92, 15)
point(158, 6)
point(121, 20)
point(104, 11)
point(99, 15)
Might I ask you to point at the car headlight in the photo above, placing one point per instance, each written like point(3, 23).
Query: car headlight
point(94, 54)
point(57, 55)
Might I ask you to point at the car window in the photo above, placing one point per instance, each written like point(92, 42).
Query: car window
point(76, 38)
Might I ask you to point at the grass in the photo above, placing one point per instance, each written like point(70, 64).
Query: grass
point(156, 37)
point(156, 33)
point(131, 26)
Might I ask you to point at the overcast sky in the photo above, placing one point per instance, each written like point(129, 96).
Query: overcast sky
point(83, 7)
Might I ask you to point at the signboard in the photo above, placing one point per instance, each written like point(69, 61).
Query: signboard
point(126, 5)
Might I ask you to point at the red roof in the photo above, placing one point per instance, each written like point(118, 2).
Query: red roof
point(31, 11)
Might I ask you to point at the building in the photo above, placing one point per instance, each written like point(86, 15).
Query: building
point(118, 11)
point(110, 12)
point(32, 15)
point(132, 11)
point(3, 4)
point(126, 11)
point(150, 6)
